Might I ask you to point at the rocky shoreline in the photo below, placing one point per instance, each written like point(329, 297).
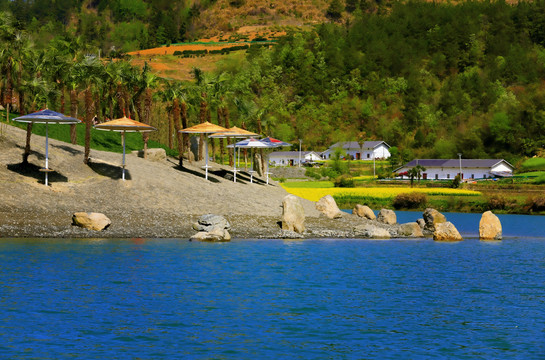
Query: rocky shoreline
point(160, 199)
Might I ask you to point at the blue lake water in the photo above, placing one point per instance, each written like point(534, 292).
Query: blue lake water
point(274, 299)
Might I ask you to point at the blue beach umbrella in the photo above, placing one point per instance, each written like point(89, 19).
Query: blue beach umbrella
point(46, 117)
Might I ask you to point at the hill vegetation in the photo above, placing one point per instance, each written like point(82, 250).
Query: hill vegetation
point(430, 79)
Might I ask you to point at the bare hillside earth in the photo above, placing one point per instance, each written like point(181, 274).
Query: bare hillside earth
point(224, 17)
point(160, 199)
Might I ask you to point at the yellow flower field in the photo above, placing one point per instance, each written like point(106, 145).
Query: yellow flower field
point(314, 194)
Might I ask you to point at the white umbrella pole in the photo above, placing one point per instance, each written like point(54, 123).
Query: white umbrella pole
point(235, 171)
point(46, 154)
point(206, 153)
point(123, 166)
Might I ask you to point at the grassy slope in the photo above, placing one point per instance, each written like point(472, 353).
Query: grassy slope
point(100, 140)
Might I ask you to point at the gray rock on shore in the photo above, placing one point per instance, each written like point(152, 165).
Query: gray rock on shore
point(293, 214)
point(328, 207)
point(371, 231)
point(91, 220)
point(212, 227)
point(364, 212)
point(490, 227)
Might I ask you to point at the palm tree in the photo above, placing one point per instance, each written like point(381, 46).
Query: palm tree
point(38, 91)
point(149, 81)
point(92, 71)
point(416, 172)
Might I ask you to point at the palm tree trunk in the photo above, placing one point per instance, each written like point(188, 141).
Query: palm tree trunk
point(225, 113)
point(147, 118)
point(89, 115)
point(74, 114)
point(245, 150)
point(62, 100)
point(219, 112)
point(170, 129)
point(184, 137)
point(176, 120)
point(202, 117)
point(27, 145)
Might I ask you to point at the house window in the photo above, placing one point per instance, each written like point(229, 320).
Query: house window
point(448, 176)
point(436, 176)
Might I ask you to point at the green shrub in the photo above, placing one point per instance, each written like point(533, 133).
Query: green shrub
point(410, 201)
point(177, 53)
point(536, 203)
point(344, 181)
point(540, 180)
point(313, 173)
point(498, 202)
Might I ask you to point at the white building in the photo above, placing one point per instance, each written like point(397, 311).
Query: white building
point(369, 150)
point(291, 158)
point(444, 169)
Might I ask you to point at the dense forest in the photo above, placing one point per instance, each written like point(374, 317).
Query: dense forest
point(430, 79)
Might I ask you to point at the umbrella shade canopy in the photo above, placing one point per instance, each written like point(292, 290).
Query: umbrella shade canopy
point(274, 142)
point(251, 143)
point(234, 132)
point(204, 128)
point(125, 124)
point(47, 117)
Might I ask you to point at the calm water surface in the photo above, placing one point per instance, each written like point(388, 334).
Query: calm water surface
point(272, 299)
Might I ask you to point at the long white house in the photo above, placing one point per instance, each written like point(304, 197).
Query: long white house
point(291, 158)
point(443, 169)
point(369, 150)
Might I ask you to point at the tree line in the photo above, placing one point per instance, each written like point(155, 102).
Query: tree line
point(430, 79)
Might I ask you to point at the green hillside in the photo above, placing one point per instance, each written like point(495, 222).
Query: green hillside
point(430, 79)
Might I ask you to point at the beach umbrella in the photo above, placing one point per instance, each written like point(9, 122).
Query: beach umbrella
point(273, 143)
point(235, 132)
point(204, 128)
point(47, 117)
point(252, 143)
point(124, 125)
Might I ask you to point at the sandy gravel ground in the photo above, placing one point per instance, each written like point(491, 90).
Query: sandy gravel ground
point(159, 199)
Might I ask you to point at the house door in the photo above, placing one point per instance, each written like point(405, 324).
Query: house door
point(425, 176)
point(358, 156)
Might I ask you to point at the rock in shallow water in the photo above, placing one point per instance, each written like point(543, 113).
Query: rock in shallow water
point(446, 232)
point(490, 227)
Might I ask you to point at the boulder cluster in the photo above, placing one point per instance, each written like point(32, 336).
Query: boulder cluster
point(212, 227)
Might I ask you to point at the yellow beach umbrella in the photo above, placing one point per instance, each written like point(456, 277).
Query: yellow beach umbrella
point(124, 125)
point(204, 128)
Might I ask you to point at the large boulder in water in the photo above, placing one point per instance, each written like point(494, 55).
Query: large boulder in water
point(411, 229)
point(387, 216)
point(446, 231)
point(364, 212)
point(328, 207)
point(432, 217)
point(490, 227)
point(293, 214)
point(91, 220)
